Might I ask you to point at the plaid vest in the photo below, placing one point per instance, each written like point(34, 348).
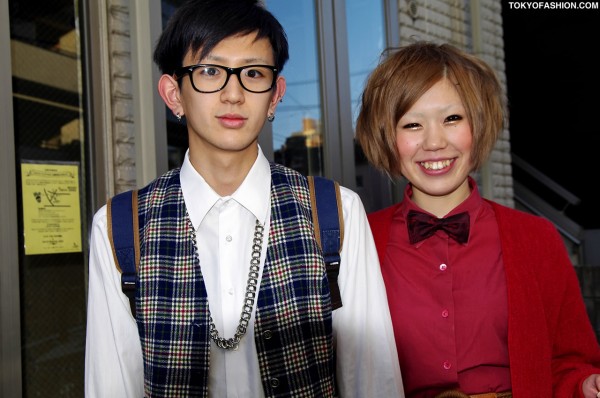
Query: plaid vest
point(293, 320)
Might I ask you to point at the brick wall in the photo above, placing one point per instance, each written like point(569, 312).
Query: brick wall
point(121, 88)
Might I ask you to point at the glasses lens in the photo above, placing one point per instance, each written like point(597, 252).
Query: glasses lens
point(209, 78)
point(257, 78)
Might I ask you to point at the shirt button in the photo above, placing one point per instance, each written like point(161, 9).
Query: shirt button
point(228, 238)
point(443, 267)
point(445, 313)
point(230, 291)
point(267, 334)
point(447, 365)
point(274, 382)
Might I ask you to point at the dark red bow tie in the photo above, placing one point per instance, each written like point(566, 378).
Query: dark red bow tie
point(422, 226)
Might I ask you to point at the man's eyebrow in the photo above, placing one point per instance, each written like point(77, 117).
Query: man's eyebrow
point(222, 60)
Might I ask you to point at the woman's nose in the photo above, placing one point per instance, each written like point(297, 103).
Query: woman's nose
point(435, 138)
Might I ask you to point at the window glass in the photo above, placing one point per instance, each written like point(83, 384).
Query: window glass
point(366, 41)
point(297, 135)
point(365, 21)
point(51, 166)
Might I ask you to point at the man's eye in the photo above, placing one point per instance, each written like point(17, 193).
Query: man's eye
point(209, 71)
point(254, 73)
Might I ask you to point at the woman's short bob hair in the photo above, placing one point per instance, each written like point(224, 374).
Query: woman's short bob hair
point(404, 76)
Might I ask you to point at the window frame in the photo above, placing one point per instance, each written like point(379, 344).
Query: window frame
point(10, 312)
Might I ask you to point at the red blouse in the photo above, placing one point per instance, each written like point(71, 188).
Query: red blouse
point(448, 303)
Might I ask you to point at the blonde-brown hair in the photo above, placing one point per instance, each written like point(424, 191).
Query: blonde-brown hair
point(402, 78)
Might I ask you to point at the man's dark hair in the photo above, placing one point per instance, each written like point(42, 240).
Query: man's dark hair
point(202, 24)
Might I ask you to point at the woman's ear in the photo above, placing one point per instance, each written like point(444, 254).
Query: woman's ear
point(169, 92)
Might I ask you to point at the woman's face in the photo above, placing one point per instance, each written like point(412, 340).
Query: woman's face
point(434, 141)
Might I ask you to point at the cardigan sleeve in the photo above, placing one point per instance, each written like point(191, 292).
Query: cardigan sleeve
point(575, 353)
point(550, 334)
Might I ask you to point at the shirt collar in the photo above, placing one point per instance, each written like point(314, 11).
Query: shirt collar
point(253, 194)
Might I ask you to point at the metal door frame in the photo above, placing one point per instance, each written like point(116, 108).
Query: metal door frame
point(10, 323)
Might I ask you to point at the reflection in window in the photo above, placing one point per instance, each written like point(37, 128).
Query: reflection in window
point(366, 41)
point(297, 135)
point(365, 21)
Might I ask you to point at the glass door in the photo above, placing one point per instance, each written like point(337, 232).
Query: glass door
point(50, 185)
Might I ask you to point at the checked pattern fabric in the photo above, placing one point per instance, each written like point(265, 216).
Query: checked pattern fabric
point(293, 325)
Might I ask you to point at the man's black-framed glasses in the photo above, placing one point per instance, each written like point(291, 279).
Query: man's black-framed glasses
point(209, 78)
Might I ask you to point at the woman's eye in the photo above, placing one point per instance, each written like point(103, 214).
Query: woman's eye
point(453, 118)
point(411, 126)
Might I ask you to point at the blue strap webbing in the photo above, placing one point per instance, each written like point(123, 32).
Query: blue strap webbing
point(326, 204)
point(122, 228)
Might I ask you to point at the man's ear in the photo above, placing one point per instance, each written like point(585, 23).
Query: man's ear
point(169, 92)
point(277, 97)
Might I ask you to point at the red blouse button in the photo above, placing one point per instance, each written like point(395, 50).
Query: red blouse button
point(445, 313)
point(443, 267)
point(447, 365)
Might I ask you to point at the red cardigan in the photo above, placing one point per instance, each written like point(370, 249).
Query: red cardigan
point(552, 346)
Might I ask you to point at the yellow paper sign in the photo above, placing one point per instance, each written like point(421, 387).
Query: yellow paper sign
point(51, 211)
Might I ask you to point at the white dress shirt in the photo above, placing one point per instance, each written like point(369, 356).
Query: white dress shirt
point(367, 364)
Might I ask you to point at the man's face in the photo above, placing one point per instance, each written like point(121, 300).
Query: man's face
point(231, 119)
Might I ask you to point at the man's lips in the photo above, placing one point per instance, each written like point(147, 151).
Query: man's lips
point(232, 120)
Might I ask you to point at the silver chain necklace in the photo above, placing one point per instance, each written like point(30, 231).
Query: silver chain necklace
point(251, 287)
